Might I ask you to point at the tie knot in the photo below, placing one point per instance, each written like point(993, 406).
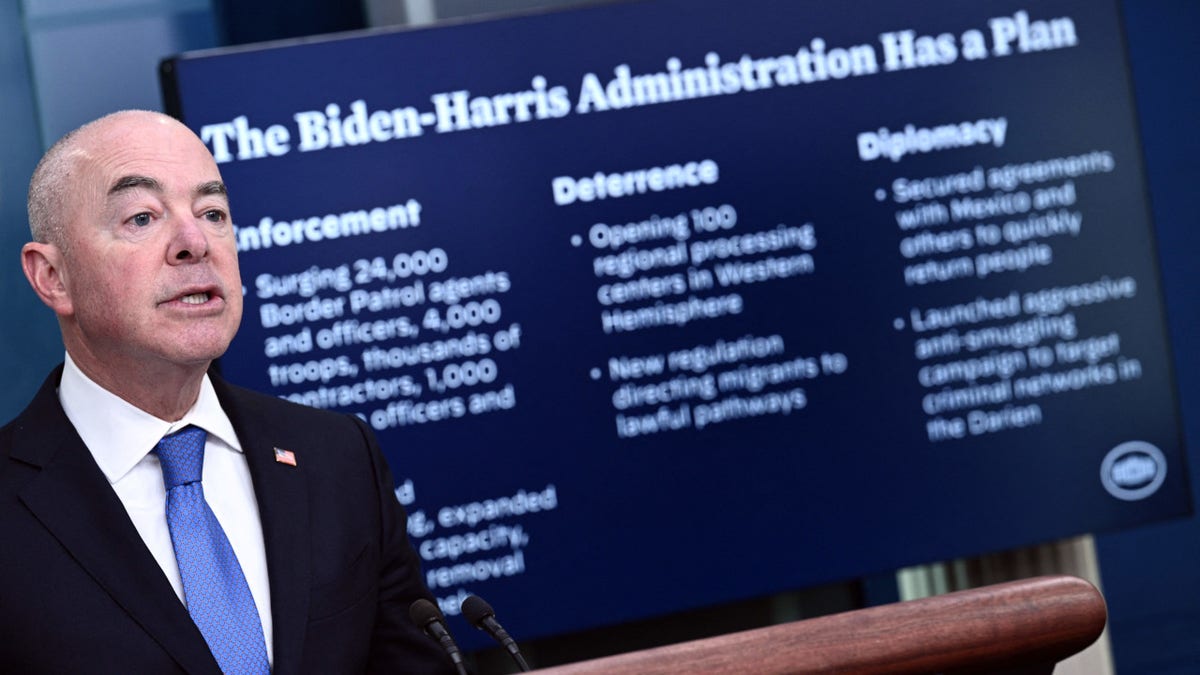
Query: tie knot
point(182, 456)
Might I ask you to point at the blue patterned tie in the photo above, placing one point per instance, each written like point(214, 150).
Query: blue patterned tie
point(217, 595)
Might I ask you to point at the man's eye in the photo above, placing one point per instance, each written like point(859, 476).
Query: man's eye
point(141, 219)
point(214, 215)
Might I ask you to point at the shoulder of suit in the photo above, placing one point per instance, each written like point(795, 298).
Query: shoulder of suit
point(42, 410)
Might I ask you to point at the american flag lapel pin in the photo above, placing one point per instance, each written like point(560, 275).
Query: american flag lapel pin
point(285, 457)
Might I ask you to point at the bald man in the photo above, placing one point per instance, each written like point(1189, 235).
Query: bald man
point(153, 518)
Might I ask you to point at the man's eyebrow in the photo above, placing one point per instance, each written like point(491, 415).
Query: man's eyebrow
point(132, 182)
point(212, 187)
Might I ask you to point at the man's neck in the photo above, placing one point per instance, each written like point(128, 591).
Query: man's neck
point(166, 391)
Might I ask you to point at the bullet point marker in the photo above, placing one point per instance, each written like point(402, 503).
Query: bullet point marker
point(576, 240)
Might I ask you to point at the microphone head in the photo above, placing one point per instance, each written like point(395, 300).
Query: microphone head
point(476, 609)
point(423, 612)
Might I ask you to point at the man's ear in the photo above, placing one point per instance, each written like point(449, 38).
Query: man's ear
point(43, 265)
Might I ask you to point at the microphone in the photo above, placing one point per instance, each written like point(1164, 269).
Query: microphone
point(482, 616)
point(429, 619)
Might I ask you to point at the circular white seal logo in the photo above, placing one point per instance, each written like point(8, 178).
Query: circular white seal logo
point(1133, 470)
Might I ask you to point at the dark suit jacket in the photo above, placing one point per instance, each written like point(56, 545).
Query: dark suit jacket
point(81, 593)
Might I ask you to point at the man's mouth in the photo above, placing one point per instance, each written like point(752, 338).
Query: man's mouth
point(195, 299)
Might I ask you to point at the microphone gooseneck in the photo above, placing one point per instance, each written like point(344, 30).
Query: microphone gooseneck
point(429, 619)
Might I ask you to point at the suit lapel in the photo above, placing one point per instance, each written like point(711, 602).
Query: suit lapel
point(282, 495)
point(72, 499)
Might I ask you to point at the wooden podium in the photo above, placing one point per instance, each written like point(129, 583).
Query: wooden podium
point(1023, 626)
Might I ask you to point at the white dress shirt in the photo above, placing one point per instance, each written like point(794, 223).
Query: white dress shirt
point(121, 437)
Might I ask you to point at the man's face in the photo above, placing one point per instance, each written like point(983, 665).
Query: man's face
point(150, 261)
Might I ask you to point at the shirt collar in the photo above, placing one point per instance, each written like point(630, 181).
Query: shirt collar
point(119, 434)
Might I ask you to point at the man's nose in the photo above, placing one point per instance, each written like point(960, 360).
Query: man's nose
point(189, 241)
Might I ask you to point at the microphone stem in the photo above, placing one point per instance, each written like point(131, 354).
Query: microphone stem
point(452, 650)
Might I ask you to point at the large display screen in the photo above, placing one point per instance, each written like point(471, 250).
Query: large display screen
point(655, 305)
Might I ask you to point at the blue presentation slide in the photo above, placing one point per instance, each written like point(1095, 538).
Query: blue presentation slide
point(656, 305)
